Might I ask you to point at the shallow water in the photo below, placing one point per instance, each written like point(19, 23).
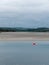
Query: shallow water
point(24, 53)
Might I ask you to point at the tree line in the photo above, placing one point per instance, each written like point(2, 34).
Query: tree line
point(19, 29)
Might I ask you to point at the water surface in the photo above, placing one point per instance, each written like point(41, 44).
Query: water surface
point(24, 53)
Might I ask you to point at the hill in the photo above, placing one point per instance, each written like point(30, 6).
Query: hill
point(20, 29)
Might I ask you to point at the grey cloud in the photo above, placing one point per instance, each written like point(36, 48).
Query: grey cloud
point(19, 5)
point(25, 13)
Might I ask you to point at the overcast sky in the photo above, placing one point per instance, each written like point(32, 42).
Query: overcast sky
point(24, 13)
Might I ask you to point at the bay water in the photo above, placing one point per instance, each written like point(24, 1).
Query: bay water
point(24, 53)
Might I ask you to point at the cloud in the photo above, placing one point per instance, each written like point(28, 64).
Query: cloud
point(27, 13)
point(21, 5)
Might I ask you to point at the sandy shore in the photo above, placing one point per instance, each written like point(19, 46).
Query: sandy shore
point(26, 36)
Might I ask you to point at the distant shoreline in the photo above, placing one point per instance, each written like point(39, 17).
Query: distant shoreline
point(24, 36)
point(22, 29)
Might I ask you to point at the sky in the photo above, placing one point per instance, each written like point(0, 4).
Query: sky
point(24, 13)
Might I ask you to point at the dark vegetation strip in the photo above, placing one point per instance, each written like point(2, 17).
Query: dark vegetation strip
point(19, 29)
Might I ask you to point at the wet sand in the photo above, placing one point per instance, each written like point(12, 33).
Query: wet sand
point(26, 36)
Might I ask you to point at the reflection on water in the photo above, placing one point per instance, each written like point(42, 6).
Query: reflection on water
point(23, 53)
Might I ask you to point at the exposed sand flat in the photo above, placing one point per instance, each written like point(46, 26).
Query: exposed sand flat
point(24, 36)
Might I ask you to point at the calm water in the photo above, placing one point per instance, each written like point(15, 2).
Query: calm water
point(23, 53)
